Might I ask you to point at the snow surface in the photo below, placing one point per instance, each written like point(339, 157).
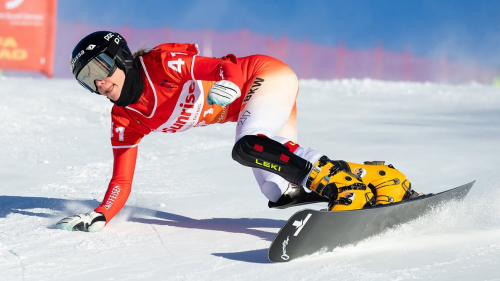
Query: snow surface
point(195, 214)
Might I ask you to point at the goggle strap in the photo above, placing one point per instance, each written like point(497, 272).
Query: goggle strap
point(113, 49)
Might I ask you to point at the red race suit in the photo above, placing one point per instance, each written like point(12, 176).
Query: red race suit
point(176, 83)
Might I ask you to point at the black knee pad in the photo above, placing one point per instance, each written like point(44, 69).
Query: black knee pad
point(267, 154)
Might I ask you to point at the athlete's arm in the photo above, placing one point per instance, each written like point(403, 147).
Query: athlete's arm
point(124, 139)
point(115, 198)
point(226, 73)
point(121, 183)
point(212, 69)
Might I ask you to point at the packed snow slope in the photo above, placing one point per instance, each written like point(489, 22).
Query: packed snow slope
point(195, 214)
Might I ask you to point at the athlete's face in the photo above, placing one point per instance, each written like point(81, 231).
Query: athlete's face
point(111, 86)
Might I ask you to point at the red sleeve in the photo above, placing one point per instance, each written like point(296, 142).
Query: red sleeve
point(212, 69)
point(120, 184)
point(181, 63)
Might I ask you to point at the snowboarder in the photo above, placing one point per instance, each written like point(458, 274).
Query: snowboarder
point(171, 88)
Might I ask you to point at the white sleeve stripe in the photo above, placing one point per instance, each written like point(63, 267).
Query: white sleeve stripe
point(125, 146)
point(192, 67)
point(192, 62)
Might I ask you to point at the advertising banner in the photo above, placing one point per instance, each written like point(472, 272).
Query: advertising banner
point(27, 35)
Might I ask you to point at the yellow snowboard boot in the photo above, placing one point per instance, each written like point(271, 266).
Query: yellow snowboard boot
point(387, 184)
point(351, 186)
point(334, 180)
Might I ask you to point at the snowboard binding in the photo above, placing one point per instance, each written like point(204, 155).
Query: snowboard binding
point(296, 195)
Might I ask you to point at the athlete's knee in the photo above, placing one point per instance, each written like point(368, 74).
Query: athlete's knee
point(270, 155)
point(251, 146)
point(245, 147)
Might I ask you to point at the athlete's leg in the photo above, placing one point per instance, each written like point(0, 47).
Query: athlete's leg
point(269, 109)
point(268, 101)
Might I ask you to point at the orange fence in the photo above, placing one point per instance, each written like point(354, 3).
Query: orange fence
point(307, 59)
point(27, 44)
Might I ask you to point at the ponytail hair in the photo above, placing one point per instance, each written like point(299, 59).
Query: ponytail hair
point(142, 50)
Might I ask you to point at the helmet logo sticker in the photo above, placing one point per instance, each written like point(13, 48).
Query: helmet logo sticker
point(73, 61)
point(90, 47)
point(109, 36)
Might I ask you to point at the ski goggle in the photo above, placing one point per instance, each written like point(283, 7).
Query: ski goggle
point(98, 68)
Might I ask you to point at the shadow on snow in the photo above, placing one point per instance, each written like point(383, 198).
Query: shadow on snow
point(27, 206)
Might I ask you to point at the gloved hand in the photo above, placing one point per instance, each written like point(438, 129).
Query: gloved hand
point(223, 92)
point(91, 222)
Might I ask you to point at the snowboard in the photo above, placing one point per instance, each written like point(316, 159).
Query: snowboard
point(309, 231)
